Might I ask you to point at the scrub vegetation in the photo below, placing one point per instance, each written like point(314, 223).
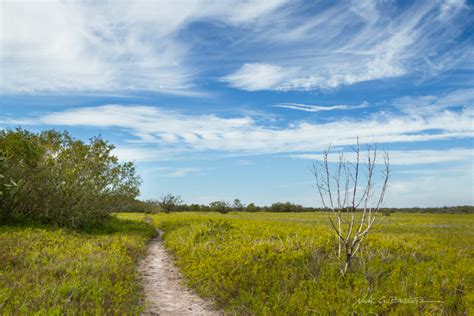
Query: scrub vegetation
point(57, 271)
point(53, 178)
point(285, 263)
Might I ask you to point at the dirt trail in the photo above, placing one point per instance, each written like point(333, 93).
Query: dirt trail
point(163, 285)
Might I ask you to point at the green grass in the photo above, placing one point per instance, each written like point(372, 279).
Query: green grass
point(275, 264)
point(50, 271)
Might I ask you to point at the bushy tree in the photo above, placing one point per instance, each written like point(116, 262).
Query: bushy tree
point(251, 208)
point(286, 207)
point(220, 206)
point(169, 202)
point(238, 205)
point(194, 208)
point(62, 180)
point(147, 206)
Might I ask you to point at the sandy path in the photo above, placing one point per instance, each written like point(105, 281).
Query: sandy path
point(163, 286)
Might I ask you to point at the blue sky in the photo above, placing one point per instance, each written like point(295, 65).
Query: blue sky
point(224, 99)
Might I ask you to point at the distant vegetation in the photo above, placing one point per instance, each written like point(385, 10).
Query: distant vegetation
point(285, 264)
point(153, 206)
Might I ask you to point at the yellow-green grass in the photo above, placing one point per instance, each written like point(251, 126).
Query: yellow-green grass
point(48, 271)
point(281, 263)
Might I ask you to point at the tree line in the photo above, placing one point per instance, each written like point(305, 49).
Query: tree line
point(173, 203)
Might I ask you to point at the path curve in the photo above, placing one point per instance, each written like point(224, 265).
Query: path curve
point(165, 292)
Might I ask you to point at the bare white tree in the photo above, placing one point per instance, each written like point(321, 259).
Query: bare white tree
point(352, 195)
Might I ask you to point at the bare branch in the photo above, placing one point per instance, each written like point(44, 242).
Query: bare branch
point(346, 179)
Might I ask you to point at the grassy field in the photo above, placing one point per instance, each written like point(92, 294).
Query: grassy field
point(249, 263)
point(267, 263)
point(49, 271)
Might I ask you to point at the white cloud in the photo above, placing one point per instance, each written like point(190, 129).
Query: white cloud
point(452, 169)
point(350, 42)
point(450, 7)
point(171, 132)
point(367, 9)
point(257, 76)
point(431, 104)
point(72, 46)
point(49, 46)
point(407, 157)
point(173, 172)
point(143, 154)
point(441, 188)
point(319, 108)
point(237, 11)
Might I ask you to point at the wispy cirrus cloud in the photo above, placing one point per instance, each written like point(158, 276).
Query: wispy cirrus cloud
point(173, 133)
point(146, 153)
point(173, 172)
point(257, 76)
point(354, 41)
point(445, 186)
point(319, 108)
point(407, 157)
point(78, 46)
point(51, 46)
point(432, 104)
point(74, 46)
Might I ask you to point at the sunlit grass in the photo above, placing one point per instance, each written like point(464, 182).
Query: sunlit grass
point(273, 263)
point(51, 271)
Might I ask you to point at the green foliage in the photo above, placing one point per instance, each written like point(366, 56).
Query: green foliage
point(220, 206)
point(251, 208)
point(152, 206)
point(169, 202)
point(284, 264)
point(63, 181)
point(147, 206)
point(237, 205)
point(286, 207)
point(47, 271)
point(6, 184)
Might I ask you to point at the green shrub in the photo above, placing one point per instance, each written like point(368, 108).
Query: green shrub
point(63, 181)
point(220, 206)
point(285, 207)
point(6, 184)
point(169, 203)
